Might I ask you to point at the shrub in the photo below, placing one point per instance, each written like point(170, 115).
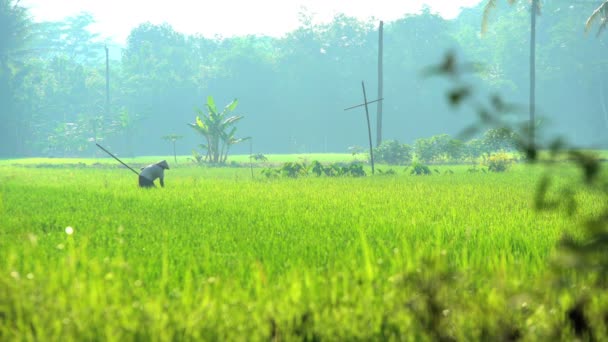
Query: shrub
point(440, 147)
point(293, 169)
point(316, 167)
point(388, 172)
point(197, 158)
point(420, 169)
point(355, 170)
point(270, 172)
point(498, 162)
point(352, 169)
point(259, 157)
point(393, 153)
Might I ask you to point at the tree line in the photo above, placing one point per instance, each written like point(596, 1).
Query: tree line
point(292, 89)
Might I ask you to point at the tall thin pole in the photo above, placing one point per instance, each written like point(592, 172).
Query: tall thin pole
point(251, 156)
point(174, 152)
point(533, 72)
point(380, 84)
point(369, 128)
point(107, 81)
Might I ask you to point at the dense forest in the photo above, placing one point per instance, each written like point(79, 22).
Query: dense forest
point(291, 90)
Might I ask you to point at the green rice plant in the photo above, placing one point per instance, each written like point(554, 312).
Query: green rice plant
point(220, 256)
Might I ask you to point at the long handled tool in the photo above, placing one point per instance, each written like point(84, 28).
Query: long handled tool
point(115, 157)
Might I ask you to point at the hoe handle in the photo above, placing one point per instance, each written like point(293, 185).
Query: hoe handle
point(115, 157)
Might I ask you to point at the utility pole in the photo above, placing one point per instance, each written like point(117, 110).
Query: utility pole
point(107, 82)
point(369, 129)
point(532, 124)
point(380, 84)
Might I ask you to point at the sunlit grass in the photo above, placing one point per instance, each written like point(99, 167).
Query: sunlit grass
point(219, 254)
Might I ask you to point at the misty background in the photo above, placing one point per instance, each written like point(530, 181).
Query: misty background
point(291, 89)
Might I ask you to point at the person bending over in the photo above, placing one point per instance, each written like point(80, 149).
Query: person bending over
point(148, 174)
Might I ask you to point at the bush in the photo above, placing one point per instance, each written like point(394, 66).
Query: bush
point(258, 157)
point(393, 153)
point(439, 148)
point(498, 162)
point(420, 169)
point(295, 170)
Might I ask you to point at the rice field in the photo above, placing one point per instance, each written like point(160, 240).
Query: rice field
point(219, 254)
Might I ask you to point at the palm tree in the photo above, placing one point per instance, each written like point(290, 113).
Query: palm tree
point(172, 138)
point(600, 14)
point(534, 11)
point(218, 130)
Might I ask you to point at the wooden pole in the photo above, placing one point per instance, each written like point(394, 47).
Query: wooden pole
point(533, 72)
point(107, 81)
point(380, 84)
point(174, 152)
point(251, 156)
point(107, 111)
point(363, 104)
point(369, 128)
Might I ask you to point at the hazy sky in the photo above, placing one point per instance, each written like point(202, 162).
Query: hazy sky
point(115, 18)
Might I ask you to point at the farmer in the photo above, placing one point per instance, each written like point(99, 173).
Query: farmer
point(148, 174)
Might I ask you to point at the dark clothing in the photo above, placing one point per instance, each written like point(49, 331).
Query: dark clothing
point(146, 183)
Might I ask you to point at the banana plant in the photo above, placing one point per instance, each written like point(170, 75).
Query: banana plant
point(218, 128)
point(600, 15)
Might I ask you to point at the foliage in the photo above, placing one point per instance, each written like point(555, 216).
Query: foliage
point(498, 162)
point(55, 73)
point(438, 148)
point(474, 149)
point(576, 256)
point(393, 153)
point(270, 172)
point(219, 130)
point(492, 4)
point(389, 172)
point(500, 139)
point(419, 169)
point(259, 157)
point(15, 33)
point(293, 169)
point(296, 169)
point(197, 158)
point(600, 14)
point(316, 168)
point(476, 169)
point(14, 28)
